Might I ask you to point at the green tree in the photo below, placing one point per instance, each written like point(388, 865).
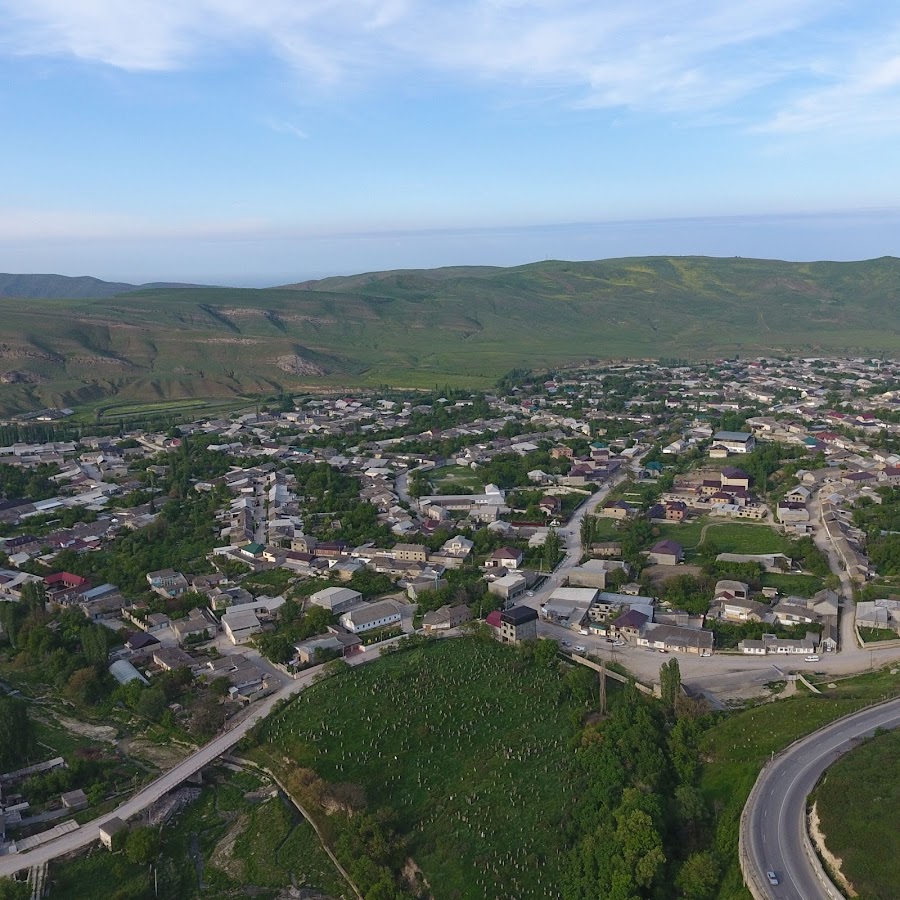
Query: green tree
point(95, 644)
point(142, 845)
point(670, 683)
point(17, 735)
point(14, 890)
point(84, 687)
point(698, 877)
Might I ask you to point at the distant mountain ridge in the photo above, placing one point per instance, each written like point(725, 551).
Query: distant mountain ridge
point(463, 325)
point(64, 287)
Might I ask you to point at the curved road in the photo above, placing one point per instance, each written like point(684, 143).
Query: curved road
point(773, 827)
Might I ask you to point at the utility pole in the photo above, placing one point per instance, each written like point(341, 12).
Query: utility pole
point(602, 688)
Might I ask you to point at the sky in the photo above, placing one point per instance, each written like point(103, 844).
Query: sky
point(259, 142)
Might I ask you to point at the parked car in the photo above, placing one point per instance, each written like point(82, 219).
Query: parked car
point(580, 649)
point(812, 658)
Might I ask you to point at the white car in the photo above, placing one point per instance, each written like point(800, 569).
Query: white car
point(812, 658)
point(529, 593)
point(579, 649)
point(773, 878)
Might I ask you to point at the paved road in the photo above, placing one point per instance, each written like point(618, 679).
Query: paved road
point(775, 817)
point(147, 796)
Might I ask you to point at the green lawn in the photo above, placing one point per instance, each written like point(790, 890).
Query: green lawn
point(747, 537)
point(469, 748)
point(793, 585)
point(859, 810)
point(686, 533)
point(448, 477)
point(870, 635)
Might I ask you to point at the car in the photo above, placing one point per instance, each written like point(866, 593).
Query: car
point(619, 643)
point(579, 649)
point(812, 658)
point(663, 650)
point(529, 593)
point(773, 878)
point(566, 644)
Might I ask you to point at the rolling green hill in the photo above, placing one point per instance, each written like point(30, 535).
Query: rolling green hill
point(64, 287)
point(413, 328)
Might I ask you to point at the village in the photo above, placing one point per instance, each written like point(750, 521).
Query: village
point(730, 514)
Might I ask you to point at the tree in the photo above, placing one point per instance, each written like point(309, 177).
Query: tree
point(699, 877)
point(670, 683)
point(84, 687)
point(17, 737)
point(95, 644)
point(551, 549)
point(142, 845)
point(151, 703)
point(14, 890)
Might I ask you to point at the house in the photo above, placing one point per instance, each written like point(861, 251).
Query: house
point(782, 646)
point(788, 613)
point(550, 505)
point(676, 510)
point(514, 625)
point(665, 553)
point(735, 589)
point(329, 646)
point(594, 572)
point(738, 609)
point(446, 617)
point(195, 627)
point(630, 624)
point(676, 639)
point(410, 552)
point(508, 587)
point(141, 642)
point(239, 627)
point(362, 618)
point(734, 441)
point(336, 600)
point(64, 588)
point(171, 658)
point(617, 509)
point(569, 606)
point(799, 494)
point(506, 558)
point(730, 477)
point(167, 583)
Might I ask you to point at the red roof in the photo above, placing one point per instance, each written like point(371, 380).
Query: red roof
point(67, 579)
point(493, 619)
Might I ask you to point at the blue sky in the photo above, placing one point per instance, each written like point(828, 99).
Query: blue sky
point(259, 141)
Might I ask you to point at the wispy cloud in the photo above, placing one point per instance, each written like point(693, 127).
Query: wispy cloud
point(668, 56)
point(860, 95)
point(286, 128)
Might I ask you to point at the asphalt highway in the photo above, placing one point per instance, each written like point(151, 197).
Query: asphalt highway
point(775, 818)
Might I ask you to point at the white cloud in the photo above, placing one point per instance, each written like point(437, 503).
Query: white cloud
point(862, 96)
point(286, 128)
point(671, 56)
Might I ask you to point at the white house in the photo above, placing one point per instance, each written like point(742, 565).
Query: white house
point(371, 615)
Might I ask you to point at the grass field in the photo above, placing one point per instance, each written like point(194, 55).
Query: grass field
point(873, 635)
point(467, 745)
point(228, 843)
point(454, 477)
point(859, 810)
point(793, 585)
point(725, 536)
point(462, 326)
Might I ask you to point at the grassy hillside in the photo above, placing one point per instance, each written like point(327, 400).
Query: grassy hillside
point(63, 287)
point(858, 810)
point(454, 325)
point(467, 746)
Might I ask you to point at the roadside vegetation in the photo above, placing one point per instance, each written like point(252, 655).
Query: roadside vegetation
point(858, 802)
